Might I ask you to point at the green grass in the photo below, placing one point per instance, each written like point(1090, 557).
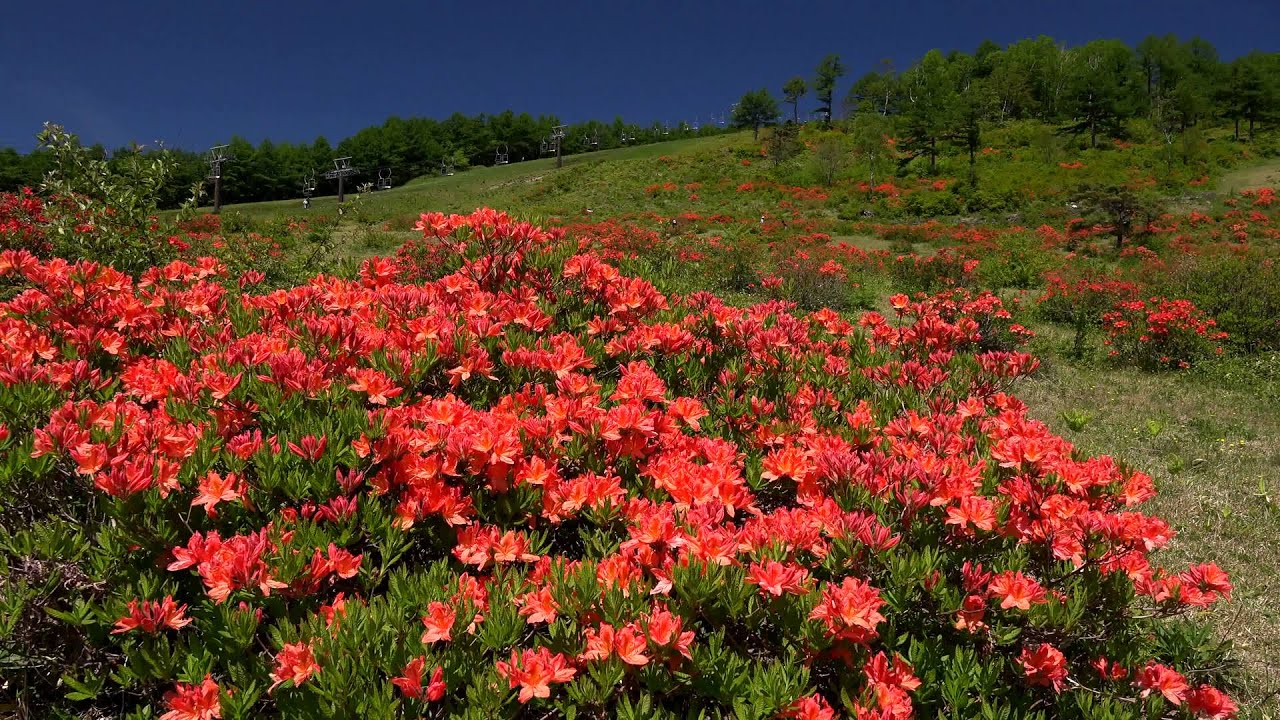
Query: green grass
point(465, 191)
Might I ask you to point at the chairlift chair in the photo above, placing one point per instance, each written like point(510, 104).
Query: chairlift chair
point(501, 155)
point(384, 179)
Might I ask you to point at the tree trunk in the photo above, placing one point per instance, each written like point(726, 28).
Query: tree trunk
point(755, 135)
point(933, 155)
point(1237, 135)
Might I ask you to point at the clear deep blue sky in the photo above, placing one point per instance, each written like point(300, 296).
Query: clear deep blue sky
point(192, 73)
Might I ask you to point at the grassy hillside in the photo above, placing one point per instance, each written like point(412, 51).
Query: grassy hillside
point(1209, 436)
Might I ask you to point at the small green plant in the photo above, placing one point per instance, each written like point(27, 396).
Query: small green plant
point(1154, 428)
point(1077, 420)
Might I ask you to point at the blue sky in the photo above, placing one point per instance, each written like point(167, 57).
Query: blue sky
point(194, 73)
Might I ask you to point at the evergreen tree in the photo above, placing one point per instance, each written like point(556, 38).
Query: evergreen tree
point(1101, 85)
point(792, 92)
point(756, 109)
point(929, 106)
point(824, 84)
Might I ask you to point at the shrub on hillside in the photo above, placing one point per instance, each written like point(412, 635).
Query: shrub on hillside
point(1240, 290)
point(22, 223)
point(812, 284)
point(1079, 293)
point(532, 486)
point(1016, 260)
point(933, 204)
point(947, 268)
point(1160, 333)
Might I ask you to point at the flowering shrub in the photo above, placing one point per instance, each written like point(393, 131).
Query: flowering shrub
point(22, 221)
point(1079, 294)
point(530, 485)
point(947, 268)
point(1161, 333)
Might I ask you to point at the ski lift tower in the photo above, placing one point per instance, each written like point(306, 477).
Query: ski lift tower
point(502, 155)
point(217, 156)
point(557, 136)
point(341, 171)
point(384, 178)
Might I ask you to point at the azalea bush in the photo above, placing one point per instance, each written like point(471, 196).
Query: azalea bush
point(947, 268)
point(495, 477)
point(1079, 294)
point(1160, 333)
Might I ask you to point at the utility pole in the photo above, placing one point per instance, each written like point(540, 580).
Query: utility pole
point(557, 134)
point(341, 170)
point(217, 156)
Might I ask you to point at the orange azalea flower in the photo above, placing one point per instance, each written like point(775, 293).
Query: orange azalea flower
point(538, 607)
point(1045, 665)
point(194, 702)
point(410, 682)
point(214, 489)
point(439, 622)
point(533, 671)
point(1016, 590)
point(1162, 679)
point(294, 662)
point(150, 616)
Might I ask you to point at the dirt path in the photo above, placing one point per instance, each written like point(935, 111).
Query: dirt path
point(1265, 175)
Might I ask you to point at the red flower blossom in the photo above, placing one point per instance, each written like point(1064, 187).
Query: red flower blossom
point(215, 489)
point(439, 622)
point(1211, 703)
point(850, 610)
point(776, 579)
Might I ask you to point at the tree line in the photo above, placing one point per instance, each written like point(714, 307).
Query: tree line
point(1091, 90)
point(403, 148)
